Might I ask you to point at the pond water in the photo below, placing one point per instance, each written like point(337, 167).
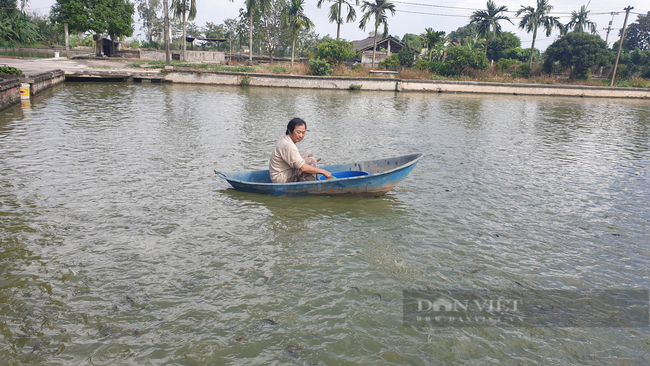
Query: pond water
point(29, 54)
point(119, 244)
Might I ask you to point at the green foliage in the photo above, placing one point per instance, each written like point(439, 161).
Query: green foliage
point(551, 66)
point(335, 51)
point(135, 65)
point(355, 87)
point(245, 81)
point(518, 53)
point(357, 67)
point(421, 64)
point(9, 70)
point(523, 71)
point(580, 50)
point(391, 63)
point(134, 44)
point(460, 59)
point(278, 70)
point(502, 44)
point(645, 73)
point(413, 41)
point(504, 64)
point(406, 57)
point(637, 34)
point(114, 17)
point(469, 31)
point(320, 67)
point(16, 28)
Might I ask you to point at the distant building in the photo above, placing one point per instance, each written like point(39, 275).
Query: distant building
point(388, 45)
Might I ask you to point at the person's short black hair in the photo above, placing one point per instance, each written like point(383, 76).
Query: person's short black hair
point(294, 123)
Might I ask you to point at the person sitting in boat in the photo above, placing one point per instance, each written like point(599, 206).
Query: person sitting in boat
point(286, 164)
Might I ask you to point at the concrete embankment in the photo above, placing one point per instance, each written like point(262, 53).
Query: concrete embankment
point(10, 89)
point(388, 84)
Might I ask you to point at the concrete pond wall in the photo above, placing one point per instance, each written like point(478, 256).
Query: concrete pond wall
point(387, 83)
point(10, 88)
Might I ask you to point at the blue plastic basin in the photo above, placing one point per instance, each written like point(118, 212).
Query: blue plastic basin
point(345, 174)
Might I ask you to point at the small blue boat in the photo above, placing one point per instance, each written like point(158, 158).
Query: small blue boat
point(383, 175)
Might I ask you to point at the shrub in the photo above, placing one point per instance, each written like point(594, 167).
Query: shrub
point(523, 71)
point(460, 59)
point(9, 70)
point(357, 67)
point(406, 57)
point(355, 87)
point(320, 67)
point(134, 44)
point(421, 64)
point(504, 64)
point(335, 51)
point(391, 63)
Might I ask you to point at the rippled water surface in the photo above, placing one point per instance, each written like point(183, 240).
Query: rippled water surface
point(119, 244)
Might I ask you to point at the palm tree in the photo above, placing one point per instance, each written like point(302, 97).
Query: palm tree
point(251, 6)
point(431, 38)
point(488, 20)
point(184, 10)
point(336, 13)
point(538, 17)
point(294, 18)
point(378, 10)
point(579, 21)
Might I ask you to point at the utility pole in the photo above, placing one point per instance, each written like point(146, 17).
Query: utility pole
point(608, 29)
point(167, 55)
point(620, 44)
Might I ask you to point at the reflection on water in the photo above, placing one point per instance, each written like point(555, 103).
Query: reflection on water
point(119, 243)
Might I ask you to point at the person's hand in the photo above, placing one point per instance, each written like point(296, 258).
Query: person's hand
point(328, 175)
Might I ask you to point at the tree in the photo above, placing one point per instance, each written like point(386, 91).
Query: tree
point(637, 34)
point(460, 59)
point(252, 7)
point(183, 10)
point(336, 13)
point(578, 51)
point(500, 46)
point(413, 41)
point(488, 21)
point(335, 51)
point(378, 11)
point(152, 25)
point(295, 19)
point(114, 17)
point(580, 22)
point(536, 17)
point(271, 25)
point(470, 30)
point(431, 39)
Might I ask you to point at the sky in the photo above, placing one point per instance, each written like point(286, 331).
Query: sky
point(414, 16)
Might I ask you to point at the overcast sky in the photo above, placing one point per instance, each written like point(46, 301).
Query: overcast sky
point(413, 16)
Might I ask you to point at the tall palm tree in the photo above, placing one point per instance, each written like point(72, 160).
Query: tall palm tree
point(184, 10)
point(378, 10)
point(294, 18)
point(538, 17)
point(488, 21)
point(431, 38)
point(579, 21)
point(251, 7)
point(336, 11)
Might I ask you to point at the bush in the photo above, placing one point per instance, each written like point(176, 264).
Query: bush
point(134, 44)
point(9, 70)
point(320, 67)
point(391, 63)
point(335, 52)
point(523, 71)
point(504, 64)
point(645, 73)
point(406, 57)
point(357, 67)
point(460, 59)
point(421, 64)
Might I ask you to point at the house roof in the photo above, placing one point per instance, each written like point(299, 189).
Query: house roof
point(366, 44)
